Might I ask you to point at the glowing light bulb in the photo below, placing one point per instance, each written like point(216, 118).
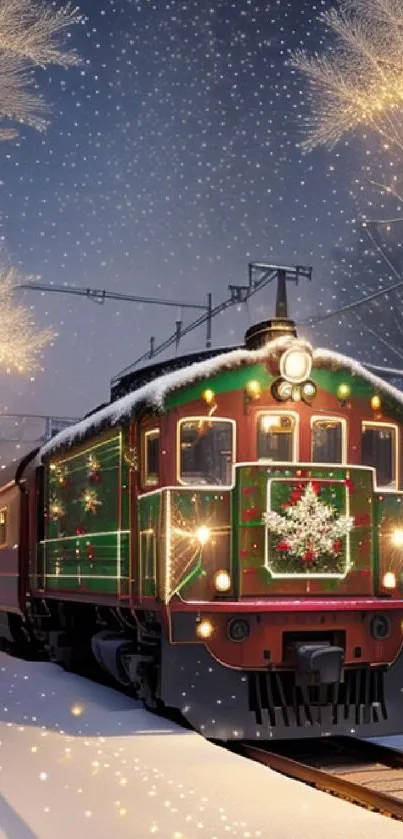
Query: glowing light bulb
point(253, 389)
point(76, 710)
point(222, 581)
point(343, 391)
point(204, 629)
point(376, 403)
point(208, 395)
point(397, 538)
point(203, 534)
point(389, 580)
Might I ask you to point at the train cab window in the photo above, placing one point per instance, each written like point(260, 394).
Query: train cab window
point(328, 440)
point(379, 449)
point(276, 437)
point(3, 527)
point(205, 451)
point(151, 455)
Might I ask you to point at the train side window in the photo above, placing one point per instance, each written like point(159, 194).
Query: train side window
point(3, 527)
point(379, 449)
point(328, 440)
point(151, 457)
point(277, 437)
point(205, 451)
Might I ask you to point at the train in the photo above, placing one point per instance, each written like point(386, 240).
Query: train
point(224, 538)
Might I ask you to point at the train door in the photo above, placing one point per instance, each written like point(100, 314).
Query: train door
point(148, 505)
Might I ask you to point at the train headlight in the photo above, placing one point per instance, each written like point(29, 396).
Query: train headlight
point(203, 534)
point(204, 629)
point(389, 580)
point(308, 391)
point(281, 390)
point(238, 630)
point(295, 365)
point(380, 627)
point(222, 581)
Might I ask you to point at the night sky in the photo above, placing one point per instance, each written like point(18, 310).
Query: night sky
point(170, 162)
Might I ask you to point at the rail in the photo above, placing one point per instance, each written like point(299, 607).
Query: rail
point(361, 772)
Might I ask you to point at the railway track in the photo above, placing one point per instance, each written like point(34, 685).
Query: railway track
point(364, 773)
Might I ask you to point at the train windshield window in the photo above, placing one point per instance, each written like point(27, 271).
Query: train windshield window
point(3, 527)
point(151, 457)
point(378, 449)
point(276, 437)
point(205, 451)
point(327, 441)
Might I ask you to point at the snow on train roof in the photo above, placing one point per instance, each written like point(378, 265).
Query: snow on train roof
point(155, 392)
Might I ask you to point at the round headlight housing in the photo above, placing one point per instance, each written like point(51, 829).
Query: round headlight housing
point(295, 365)
point(380, 627)
point(281, 390)
point(238, 630)
point(309, 391)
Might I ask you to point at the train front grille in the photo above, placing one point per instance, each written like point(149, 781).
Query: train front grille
point(277, 700)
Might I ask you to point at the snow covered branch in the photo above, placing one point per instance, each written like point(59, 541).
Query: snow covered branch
point(32, 34)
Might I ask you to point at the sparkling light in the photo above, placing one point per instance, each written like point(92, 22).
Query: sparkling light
point(203, 534)
point(343, 391)
point(21, 343)
point(358, 83)
point(253, 389)
point(397, 538)
point(30, 35)
point(77, 710)
point(376, 402)
point(208, 396)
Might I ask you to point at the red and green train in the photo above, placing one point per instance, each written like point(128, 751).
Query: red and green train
point(227, 538)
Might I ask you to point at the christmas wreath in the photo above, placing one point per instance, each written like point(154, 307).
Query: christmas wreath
point(311, 533)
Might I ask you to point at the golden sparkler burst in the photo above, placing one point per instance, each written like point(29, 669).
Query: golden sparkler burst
point(32, 34)
point(21, 343)
point(358, 83)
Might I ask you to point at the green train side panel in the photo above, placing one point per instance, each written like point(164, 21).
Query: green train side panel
point(173, 562)
point(389, 513)
point(266, 568)
point(86, 545)
point(222, 382)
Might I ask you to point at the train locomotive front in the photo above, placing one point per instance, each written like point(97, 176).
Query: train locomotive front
point(286, 621)
point(228, 539)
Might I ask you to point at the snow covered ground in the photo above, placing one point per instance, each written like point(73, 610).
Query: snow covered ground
point(78, 759)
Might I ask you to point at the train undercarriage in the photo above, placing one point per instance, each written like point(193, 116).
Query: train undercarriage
point(318, 696)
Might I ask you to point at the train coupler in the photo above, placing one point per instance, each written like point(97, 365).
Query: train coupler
point(319, 664)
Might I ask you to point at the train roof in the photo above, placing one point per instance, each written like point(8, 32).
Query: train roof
point(125, 383)
point(154, 392)
point(14, 472)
